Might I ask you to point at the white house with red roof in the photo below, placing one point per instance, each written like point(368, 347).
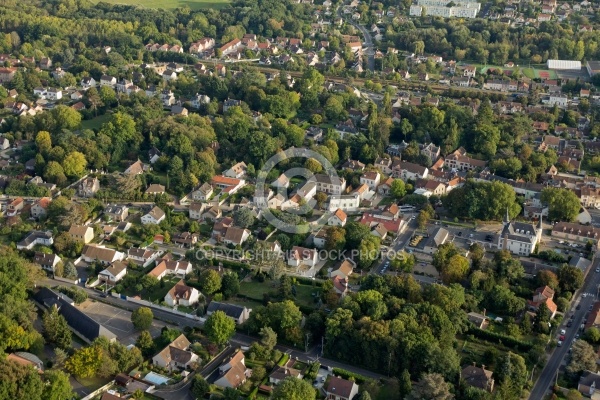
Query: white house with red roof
point(302, 256)
point(338, 218)
point(226, 184)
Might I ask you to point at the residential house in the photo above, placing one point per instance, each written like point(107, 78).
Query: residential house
point(226, 184)
point(185, 239)
point(429, 187)
point(519, 237)
point(544, 295)
point(340, 285)
point(203, 193)
point(371, 179)
point(354, 165)
point(478, 377)
point(329, 184)
point(106, 80)
point(343, 269)
point(176, 355)
point(88, 82)
point(81, 233)
point(171, 267)
point(48, 262)
point(385, 188)
point(196, 210)
point(212, 214)
point(469, 71)
point(227, 104)
point(438, 237)
point(480, 320)
point(179, 110)
point(384, 164)
point(35, 238)
point(143, 257)
point(236, 236)
point(199, 100)
point(118, 213)
point(338, 218)
point(39, 209)
point(588, 382)
point(409, 171)
point(88, 187)
point(98, 253)
point(135, 169)
point(114, 273)
point(237, 170)
point(239, 314)
point(280, 373)
point(431, 151)
point(169, 75)
point(340, 389)
point(15, 207)
point(154, 217)
point(459, 161)
point(302, 256)
point(577, 232)
point(314, 134)
point(183, 295)
point(155, 189)
point(233, 372)
point(7, 74)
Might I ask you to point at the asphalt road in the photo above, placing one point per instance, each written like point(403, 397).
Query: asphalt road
point(370, 53)
point(586, 298)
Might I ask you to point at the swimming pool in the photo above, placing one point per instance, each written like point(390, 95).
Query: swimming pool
point(155, 378)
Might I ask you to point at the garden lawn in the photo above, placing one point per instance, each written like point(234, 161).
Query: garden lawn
point(171, 4)
point(158, 294)
point(256, 290)
point(95, 123)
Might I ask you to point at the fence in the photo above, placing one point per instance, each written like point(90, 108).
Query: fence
point(74, 282)
point(98, 391)
point(158, 307)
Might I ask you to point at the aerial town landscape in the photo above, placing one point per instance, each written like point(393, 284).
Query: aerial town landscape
point(299, 200)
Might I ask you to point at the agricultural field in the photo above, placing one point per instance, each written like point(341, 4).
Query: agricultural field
point(171, 4)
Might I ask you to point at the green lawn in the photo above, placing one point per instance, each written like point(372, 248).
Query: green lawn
point(95, 123)
point(255, 291)
point(159, 293)
point(171, 4)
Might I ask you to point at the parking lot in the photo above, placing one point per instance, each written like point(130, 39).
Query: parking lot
point(116, 320)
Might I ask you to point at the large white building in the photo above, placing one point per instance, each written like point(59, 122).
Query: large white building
point(564, 64)
point(518, 237)
point(439, 8)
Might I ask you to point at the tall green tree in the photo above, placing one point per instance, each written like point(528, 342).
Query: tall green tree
point(293, 389)
point(219, 327)
point(56, 329)
point(142, 318)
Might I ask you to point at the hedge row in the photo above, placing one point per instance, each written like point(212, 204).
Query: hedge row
point(506, 340)
point(358, 378)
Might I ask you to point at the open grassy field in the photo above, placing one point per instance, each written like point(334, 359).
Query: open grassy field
point(171, 4)
point(255, 291)
point(95, 123)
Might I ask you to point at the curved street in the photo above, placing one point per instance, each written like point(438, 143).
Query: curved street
point(370, 52)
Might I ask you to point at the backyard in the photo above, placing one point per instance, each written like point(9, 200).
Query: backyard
point(255, 291)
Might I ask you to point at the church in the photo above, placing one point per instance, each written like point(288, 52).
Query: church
point(519, 238)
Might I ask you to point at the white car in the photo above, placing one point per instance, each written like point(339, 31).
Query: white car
point(563, 332)
point(561, 242)
point(559, 344)
point(598, 269)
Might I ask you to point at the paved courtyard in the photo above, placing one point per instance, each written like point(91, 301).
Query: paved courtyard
point(116, 320)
